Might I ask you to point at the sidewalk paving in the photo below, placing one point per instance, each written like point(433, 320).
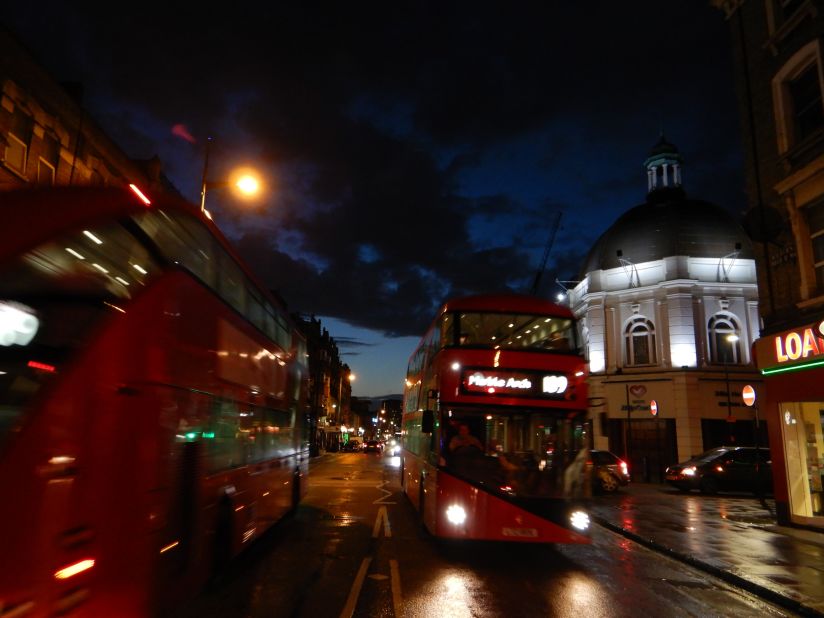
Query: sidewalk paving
point(731, 536)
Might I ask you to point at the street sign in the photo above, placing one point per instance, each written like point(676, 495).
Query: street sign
point(748, 395)
point(653, 407)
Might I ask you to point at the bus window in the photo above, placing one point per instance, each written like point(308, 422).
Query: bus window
point(447, 328)
point(183, 240)
point(225, 443)
point(50, 300)
point(527, 454)
point(230, 282)
point(515, 331)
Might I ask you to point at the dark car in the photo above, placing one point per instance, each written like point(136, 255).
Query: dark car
point(372, 446)
point(353, 446)
point(610, 471)
point(725, 468)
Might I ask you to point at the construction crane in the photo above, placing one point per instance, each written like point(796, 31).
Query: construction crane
point(540, 273)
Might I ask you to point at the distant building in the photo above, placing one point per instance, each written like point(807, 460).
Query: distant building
point(330, 387)
point(777, 49)
point(668, 304)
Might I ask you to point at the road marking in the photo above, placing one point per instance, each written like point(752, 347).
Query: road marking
point(396, 588)
point(382, 499)
point(387, 529)
point(354, 593)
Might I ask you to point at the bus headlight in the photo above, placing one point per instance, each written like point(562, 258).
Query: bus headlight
point(579, 520)
point(456, 514)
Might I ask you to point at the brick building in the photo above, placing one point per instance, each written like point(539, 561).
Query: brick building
point(777, 49)
point(47, 137)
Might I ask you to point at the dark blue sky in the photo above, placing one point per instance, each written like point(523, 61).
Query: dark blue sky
point(414, 151)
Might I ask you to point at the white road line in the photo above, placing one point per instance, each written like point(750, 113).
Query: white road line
point(387, 529)
point(382, 500)
point(354, 593)
point(396, 588)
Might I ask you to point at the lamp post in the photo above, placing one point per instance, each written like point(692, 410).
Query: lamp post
point(349, 376)
point(732, 339)
point(244, 180)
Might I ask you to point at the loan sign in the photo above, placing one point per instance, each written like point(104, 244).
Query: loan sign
point(514, 383)
point(800, 344)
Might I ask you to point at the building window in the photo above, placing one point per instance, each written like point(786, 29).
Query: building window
point(805, 98)
point(19, 139)
point(789, 7)
point(797, 97)
point(639, 339)
point(45, 173)
point(725, 339)
point(815, 223)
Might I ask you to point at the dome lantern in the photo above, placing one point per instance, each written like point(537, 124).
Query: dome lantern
point(663, 167)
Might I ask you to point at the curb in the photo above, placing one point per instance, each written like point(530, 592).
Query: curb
point(765, 593)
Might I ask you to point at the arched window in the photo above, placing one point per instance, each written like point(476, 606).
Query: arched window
point(725, 339)
point(639, 338)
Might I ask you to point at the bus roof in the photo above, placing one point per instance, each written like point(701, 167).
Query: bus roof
point(31, 216)
point(506, 303)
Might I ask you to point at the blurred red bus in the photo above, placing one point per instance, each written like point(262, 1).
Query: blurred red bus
point(151, 422)
point(507, 369)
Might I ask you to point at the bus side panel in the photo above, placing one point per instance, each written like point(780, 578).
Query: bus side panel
point(412, 468)
point(491, 518)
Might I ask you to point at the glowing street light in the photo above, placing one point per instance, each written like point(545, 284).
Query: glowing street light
point(245, 181)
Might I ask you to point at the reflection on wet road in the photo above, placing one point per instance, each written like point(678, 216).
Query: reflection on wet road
point(355, 548)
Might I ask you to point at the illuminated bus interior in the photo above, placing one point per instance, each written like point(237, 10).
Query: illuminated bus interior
point(509, 331)
point(528, 453)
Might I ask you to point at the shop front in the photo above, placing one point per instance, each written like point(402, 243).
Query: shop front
point(792, 363)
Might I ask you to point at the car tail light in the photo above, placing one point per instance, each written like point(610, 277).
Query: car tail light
point(624, 467)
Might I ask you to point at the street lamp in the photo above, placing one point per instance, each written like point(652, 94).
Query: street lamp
point(245, 181)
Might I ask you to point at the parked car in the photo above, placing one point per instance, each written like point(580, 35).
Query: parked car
point(372, 446)
point(353, 446)
point(725, 468)
point(609, 471)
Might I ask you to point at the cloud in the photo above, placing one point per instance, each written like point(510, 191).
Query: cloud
point(415, 151)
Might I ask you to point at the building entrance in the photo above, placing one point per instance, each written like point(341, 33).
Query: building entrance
point(648, 445)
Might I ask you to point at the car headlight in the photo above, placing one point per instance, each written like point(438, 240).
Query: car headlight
point(689, 471)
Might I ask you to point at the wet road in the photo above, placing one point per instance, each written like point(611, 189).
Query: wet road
point(354, 549)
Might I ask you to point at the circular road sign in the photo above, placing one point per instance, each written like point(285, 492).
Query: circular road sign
point(748, 395)
point(653, 407)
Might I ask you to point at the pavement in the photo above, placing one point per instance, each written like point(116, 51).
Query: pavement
point(734, 537)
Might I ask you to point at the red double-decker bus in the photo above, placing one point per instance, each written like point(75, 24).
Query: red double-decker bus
point(152, 418)
point(495, 442)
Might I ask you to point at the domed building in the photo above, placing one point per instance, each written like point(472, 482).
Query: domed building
point(668, 307)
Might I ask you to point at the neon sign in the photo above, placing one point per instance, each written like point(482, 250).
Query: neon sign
point(797, 345)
